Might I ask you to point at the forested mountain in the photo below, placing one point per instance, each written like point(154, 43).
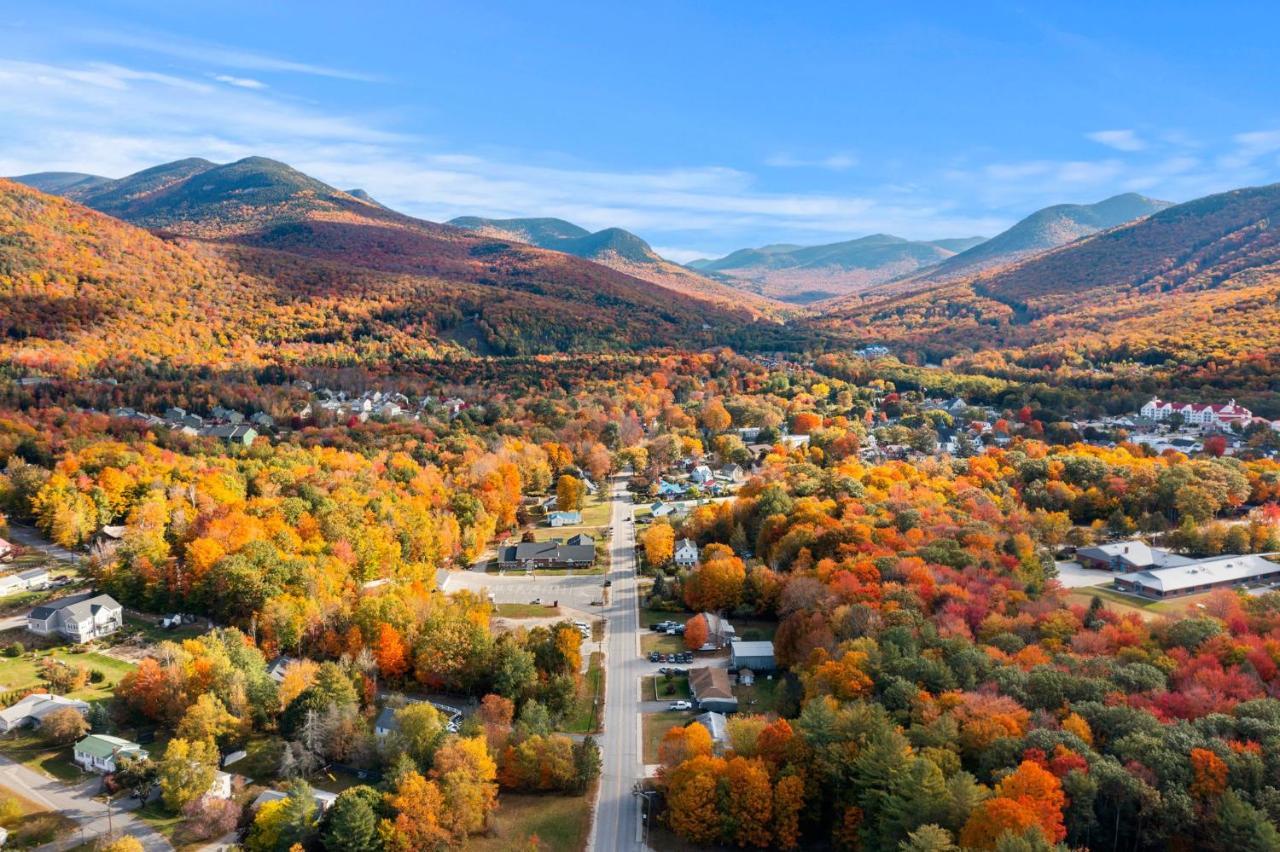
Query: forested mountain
point(1196, 281)
point(618, 249)
point(804, 274)
point(313, 276)
point(1051, 227)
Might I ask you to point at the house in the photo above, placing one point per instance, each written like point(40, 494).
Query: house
point(79, 617)
point(701, 475)
point(717, 725)
point(262, 420)
point(1134, 555)
point(749, 434)
point(386, 723)
point(221, 786)
point(711, 690)
point(528, 555)
point(99, 752)
point(106, 541)
point(31, 710)
point(277, 668)
point(719, 632)
point(733, 473)
point(581, 539)
point(32, 578)
point(6, 550)
point(686, 555)
point(1199, 575)
point(234, 433)
point(564, 519)
point(323, 798)
point(661, 510)
point(756, 656)
point(670, 489)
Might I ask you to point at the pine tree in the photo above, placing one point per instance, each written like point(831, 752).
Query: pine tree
point(352, 823)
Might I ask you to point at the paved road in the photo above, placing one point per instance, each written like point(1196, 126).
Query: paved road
point(30, 537)
point(76, 802)
point(617, 817)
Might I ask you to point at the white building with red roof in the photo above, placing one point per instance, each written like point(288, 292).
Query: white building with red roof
point(1204, 415)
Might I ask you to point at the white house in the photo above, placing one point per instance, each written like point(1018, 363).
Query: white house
point(686, 555)
point(31, 710)
point(701, 475)
point(1198, 414)
point(79, 618)
point(661, 510)
point(221, 786)
point(99, 752)
point(32, 578)
point(564, 519)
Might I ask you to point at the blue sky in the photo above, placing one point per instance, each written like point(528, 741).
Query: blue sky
point(703, 127)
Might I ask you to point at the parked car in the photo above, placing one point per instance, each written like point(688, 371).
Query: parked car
point(655, 657)
point(680, 705)
point(535, 602)
point(685, 657)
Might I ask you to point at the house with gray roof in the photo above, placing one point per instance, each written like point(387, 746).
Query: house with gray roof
point(552, 553)
point(79, 617)
point(31, 710)
point(1135, 555)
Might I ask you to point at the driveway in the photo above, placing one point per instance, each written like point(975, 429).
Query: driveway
point(30, 537)
point(77, 803)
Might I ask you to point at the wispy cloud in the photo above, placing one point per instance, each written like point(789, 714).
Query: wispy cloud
point(832, 162)
point(241, 82)
point(211, 54)
point(1120, 140)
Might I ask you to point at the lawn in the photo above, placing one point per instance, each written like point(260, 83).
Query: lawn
point(661, 642)
point(754, 630)
point(559, 822)
point(21, 673)
point(584, 717)
point(760, 697)
point(518, 610)
point(656, 726)
point(262, 761)
point(648, 615)
point(655, 688)
point(1148, 609)
point(30, 824)
point(30, 749)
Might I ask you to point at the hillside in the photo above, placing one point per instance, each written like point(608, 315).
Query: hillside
point(85, 290)
point(620, 250)
point(804, 274)
point(1052, 227)
point(1194, 281)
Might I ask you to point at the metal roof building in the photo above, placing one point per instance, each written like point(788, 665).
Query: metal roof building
point(1199, 576)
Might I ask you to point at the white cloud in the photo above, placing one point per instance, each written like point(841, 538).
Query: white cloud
point(167, 44)
point(1121, 140)
point(834, 162)
point(242, 82)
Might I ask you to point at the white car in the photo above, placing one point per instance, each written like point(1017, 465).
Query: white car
point(680, 705)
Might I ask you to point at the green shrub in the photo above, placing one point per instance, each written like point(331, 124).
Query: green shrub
point(15, 649)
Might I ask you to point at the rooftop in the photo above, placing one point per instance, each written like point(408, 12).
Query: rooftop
point(1220, 569)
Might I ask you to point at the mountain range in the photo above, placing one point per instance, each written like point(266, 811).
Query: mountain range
point(1193, 282)
point(617, 249)
point(807, 274)
point(810, 274)
point(195, 262)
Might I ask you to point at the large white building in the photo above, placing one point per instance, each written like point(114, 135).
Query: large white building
point(1199, 414)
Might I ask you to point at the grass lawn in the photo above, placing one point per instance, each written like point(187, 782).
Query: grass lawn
point(656, 726)
point(518, 610)
point(29, 823)
point(654, 688)
point(584, 717)
point(21, 673)
point(1148, 609)
point(596, 510)
point(560, 823)
point(656, 616)
point(30, 749)
point(754, 630)
point(760, 697)
point(262, 761)
point(661, 642)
